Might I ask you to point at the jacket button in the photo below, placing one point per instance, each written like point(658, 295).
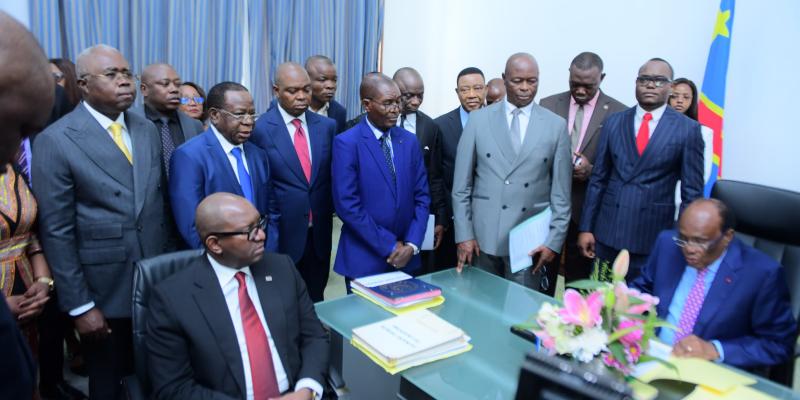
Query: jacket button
point(507, 182)
point(139, 228)
point(523, 209)
point(504, 207)
point(526, 184)
point(488, 155)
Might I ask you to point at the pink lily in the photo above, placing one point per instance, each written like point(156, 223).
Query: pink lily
point(582, 311)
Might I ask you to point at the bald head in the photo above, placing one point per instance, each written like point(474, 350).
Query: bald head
point(160, 87)
point(495, 91)
point(381, 99)
point(27, 87)
point(705, 230)
point(412, 89)
point(292, 88)
point(521, 78)
point(86, 58)
point(374, 82)
point(214, 213)
point(231, 229)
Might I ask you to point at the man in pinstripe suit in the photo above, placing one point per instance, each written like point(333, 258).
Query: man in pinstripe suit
point(643, 152)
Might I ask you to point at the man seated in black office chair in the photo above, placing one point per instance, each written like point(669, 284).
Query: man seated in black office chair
point(236, 322)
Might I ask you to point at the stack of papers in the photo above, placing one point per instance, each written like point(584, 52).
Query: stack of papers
point(409, 340)
point(397, 292)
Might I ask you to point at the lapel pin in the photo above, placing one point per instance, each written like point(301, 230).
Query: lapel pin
point(427, 148)
point(728, 279)
point(605, 106)
point(268, 278)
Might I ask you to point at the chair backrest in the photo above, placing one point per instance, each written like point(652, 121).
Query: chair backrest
point(146, 276)
point(768, 219)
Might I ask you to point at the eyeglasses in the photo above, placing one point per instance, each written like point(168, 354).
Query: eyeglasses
point(251, 233)
point(657, 81)
point(544, 281)
point(388, 104)
point(238, 117)
point(187, 100)
point(467, 89)
point(114, 75)
point(58, 76)
point(700, 244)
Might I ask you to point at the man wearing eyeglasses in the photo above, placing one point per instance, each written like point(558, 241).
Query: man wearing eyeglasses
point(100, 190)
point(641, 154)
point(160, 87)
point(236, 322)
point(729, 302)
point(380, 188)
point(222, 159)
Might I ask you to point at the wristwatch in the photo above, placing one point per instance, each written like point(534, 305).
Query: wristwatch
point(47, 281)
point(413, 247)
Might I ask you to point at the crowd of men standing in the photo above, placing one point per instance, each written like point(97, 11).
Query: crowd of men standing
point(115, 185)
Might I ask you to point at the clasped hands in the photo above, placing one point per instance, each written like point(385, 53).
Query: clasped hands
point(401, 255)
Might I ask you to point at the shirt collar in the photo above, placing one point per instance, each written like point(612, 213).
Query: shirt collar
point(323, 109)
point(154, 115)
point(589, 104)
point(288, 118)
point(104, 121)
point(226, 274)
point(525, 110)
point(226, 145)
point(375, 131)
point(657, 113)
point(410, 117)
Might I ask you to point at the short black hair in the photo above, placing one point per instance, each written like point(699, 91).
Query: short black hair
point(317, 57)
point(691, 112)
point(586, 61)
point(216, 96)
point(671, 70)
point(469, 71)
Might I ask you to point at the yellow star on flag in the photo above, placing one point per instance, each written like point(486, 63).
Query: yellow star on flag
point(721, 26)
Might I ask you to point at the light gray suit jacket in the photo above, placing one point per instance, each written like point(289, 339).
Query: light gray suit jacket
point(494, 189)
point(98, 214)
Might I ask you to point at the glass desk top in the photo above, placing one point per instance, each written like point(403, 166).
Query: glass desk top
point(484, 307)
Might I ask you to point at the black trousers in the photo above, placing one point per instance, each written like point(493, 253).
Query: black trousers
point(501, 266)
point(576, 266)
point(313, 269)
point(53, 324)
point(608, 253)
point(446, 256)
point(110, 359)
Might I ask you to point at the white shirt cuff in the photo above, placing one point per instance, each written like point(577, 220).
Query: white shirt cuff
point(720, 351)
point(311, 384)
point(413, 246)
point(82, 309)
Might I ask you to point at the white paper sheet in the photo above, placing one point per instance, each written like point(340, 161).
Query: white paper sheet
point(382, 279)
point(427, 243)
point(527, 236)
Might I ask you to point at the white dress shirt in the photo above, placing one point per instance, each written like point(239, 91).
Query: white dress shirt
point(230, 289)
point(288, 118)
point(379, 134)
point(322, 110)
point(410, 123)
point(524, 117)
point(227, 147)
point(637, 119)
point(105, 123)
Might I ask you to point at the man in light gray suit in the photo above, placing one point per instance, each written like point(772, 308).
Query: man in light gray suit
point(513, 162)
point(99, 185)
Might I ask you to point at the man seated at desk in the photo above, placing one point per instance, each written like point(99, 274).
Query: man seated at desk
point(729, 301)
point(235, 323)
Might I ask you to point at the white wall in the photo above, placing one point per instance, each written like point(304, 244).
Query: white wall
point(439, 38)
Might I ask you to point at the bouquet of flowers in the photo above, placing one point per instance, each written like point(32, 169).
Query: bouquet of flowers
point(601, 319)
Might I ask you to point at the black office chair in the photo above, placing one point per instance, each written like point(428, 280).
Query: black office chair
point(769, 219)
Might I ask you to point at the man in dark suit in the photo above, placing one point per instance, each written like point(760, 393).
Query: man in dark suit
point(380, 188)
point(729, 301)
point(323, 87)
point(298, 145)
point(26, 91)
point(471, 92)
point(222, 159)
point(160, 89)
point(412, 92)
point(101, 208)
point(641, 154)
point(236, 323)
point(585, 107)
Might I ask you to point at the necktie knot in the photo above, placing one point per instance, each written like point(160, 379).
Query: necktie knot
point(237, 152)
point(515, 112)
point(297, 123)
point(116, 129)
point(648, 116)
point(240, 277)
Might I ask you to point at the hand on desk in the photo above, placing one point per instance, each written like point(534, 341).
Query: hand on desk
point(693, 346)
point(465, 251)
point(401, 255)
point(302, 394)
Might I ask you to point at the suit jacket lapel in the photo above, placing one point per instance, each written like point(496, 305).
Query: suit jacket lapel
point(531, 138)
point(374, 148)
point(400, 160)
point(283, 143)
point(274, 314)
point(142, 159)
point(722, 286)
point(562, 108)
point(598, 115)
point(315, 138)
point(221, 160)
point(98, 146)
point(254, 168)
point(502, 134)
point(658, 138)
point(211, 303)
point(629, 144)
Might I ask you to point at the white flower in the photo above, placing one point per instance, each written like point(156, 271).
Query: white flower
point(589, 344)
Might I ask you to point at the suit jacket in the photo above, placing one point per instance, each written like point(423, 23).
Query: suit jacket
point(450, 128)
point(97, 213)
point(377, 213)
point(494, 189)
point(200, 167)
point(747, 308)
point(604, 107)
point(338, 113)
point(294, 194)
point(192, 351)
point(631, 198)
point(429, 139)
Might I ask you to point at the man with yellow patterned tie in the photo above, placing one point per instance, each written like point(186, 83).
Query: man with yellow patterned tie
point(99, 185)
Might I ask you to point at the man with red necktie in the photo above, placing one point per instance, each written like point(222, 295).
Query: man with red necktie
point(236, 323)
point(298, 145)
point(643, 152)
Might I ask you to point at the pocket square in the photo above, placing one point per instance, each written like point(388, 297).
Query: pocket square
point(427, 148)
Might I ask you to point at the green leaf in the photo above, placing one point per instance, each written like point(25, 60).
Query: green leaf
point(618, 352)
point(622, 332)
point(586, 284)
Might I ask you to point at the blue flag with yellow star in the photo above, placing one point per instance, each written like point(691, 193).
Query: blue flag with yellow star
point(711, 106)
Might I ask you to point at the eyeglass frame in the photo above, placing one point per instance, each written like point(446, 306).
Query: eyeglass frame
point(705, 246)
point(252, 233)
point(238, 117)
point(657, 81)
point(544, 281)
point(197, 100)
point(126, 75)
point(398, 104)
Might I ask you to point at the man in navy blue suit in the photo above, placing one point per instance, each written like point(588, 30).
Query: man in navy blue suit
point(643, 152)
point(298, 145)
point(221, 159)
point(380, 187)
point(324, 79)
point(729, 301)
